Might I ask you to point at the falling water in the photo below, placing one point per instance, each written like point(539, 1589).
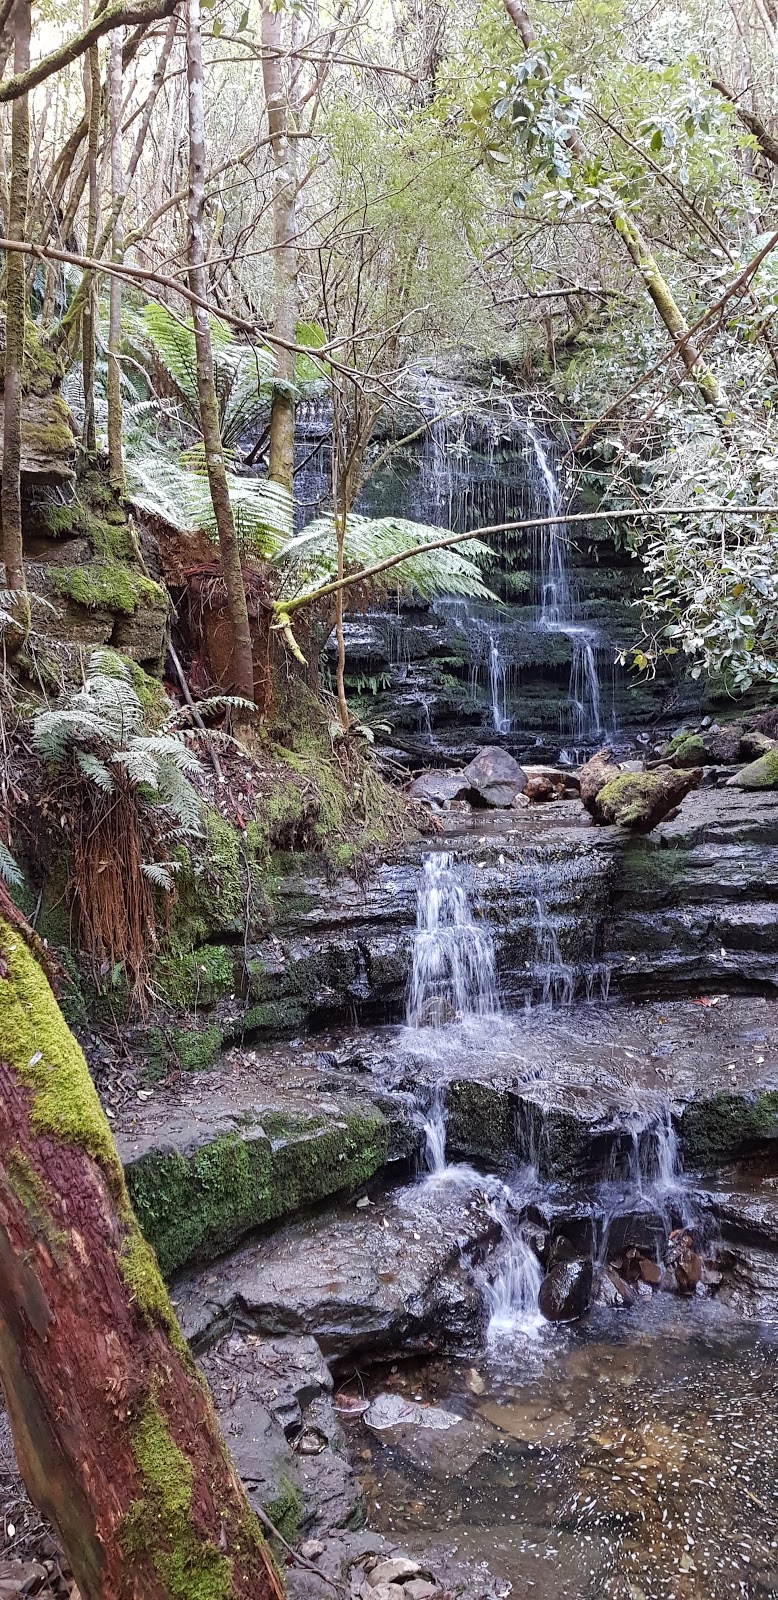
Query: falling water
point(453, 972)
point(558, 606)
point(500, 718)
point(511, 1297)
point(555, 977)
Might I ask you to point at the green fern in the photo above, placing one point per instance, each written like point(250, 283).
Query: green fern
point(155, 483)
point(242, 373)
point(10, 872)
point(99, 735)
point(310, 559)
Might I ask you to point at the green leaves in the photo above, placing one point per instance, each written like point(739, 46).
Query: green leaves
point(310, 559)
point(242, 372)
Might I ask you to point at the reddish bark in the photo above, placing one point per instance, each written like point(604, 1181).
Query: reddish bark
point(114, 1428)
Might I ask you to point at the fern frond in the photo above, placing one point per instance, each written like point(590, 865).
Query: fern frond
point(262, 510)
point(242, 373)
point(92, 767)
point(10, 871)
point(310, 559)
point(159, 873)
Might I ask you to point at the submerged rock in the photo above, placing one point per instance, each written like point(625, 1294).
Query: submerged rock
point(494, 778)
point(639, 800)
point(566, 1291)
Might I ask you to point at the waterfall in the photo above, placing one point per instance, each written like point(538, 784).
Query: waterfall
point(511, 1296)
point(558, 606)
point(500, 719)
point(453, 971)
point(556, 977)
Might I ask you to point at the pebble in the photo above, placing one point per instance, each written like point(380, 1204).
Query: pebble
point(394, 1571)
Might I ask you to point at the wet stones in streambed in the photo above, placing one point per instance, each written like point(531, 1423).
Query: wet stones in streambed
point(566, 1290)
point(494, 778)
point(274, 1402)
point(432, 1438)
point(394, 1275)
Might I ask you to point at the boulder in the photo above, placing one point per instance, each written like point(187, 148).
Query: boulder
point(723, 744)
point(438, 788)
point(566, 1291)
point(539, 787)
point(687, 750)
point(760, 774)
point(594, 775)
point(494, 778)
point(639, 800)
point(756, 744)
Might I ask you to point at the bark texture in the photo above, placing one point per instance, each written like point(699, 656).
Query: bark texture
point(114, 1428)
point(114, 391)
point(16, 306)
point(93, 97)
point(242, 659)
point(281, 462)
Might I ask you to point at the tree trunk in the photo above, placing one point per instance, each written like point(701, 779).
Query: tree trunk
point(242, 658)
point(114, 1429)
point(93, 100)
point(281, 463)
point(16, 307)
point(115, 454)
point(642, 258)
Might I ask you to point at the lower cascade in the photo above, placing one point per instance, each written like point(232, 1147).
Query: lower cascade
point(453, 972)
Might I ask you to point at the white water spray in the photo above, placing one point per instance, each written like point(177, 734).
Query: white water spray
point(453, 974)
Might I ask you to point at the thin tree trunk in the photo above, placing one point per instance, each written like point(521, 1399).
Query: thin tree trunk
point(16, 307)
point(114, 1429)
point(93, 100)
point(281, 460)
point(114, 392)
point(640, 254)
point(242, 657)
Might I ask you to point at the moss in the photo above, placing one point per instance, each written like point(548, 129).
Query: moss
point(41, 370)
point(632, 798)
point(760, 774)
point(285, 1512)
point(689, 751)
point(140, 1270)
point(196, 1048)
point(46, 1058)
point(190, 978)
point(191, 1206)
point(31, 1193)
point(274, 1018)
point(214, 895)
point(727, 1125)
point(109, 584)
point(160, 1524)
point(152, 695)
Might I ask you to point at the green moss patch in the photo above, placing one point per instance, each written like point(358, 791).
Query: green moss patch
point(46, 1058)
point(159, 1524)
point(108, 584)
point(760, 774)
point(193, 1206)
point(728, 1125)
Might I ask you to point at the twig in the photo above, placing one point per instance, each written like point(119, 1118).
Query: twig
point(186, 692)
point(302, 1561)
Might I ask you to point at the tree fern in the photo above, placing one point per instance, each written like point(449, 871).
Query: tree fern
point(10, 872)
point(310, 559)
point(161, 486)
point(242, 373)
point(99, 735)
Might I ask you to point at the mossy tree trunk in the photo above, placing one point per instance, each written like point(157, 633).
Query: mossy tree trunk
point(16, 306)
point(114, 1428)
point(285, 317)
point(114, 391)
point(242, 658)
point(93, 96)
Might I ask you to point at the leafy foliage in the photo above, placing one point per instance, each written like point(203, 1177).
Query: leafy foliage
point(98, 734)
point(310, 559)
point(242, 373)
point(180, 495)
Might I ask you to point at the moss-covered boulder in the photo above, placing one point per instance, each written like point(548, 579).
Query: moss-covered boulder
point(196, 1200)
point(687, 750)
point(760, 774)
point(594, 775)
point(639, 800)
point(727, 1126)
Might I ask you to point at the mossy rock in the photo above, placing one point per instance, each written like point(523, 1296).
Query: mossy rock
point(728, 1125)
point(688, 750)
point(196, 1048)
point(109, 585)
point(640, 800)
point(195, 1204)
point(760, 774)
point(190, 978)
point(481, 1121)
